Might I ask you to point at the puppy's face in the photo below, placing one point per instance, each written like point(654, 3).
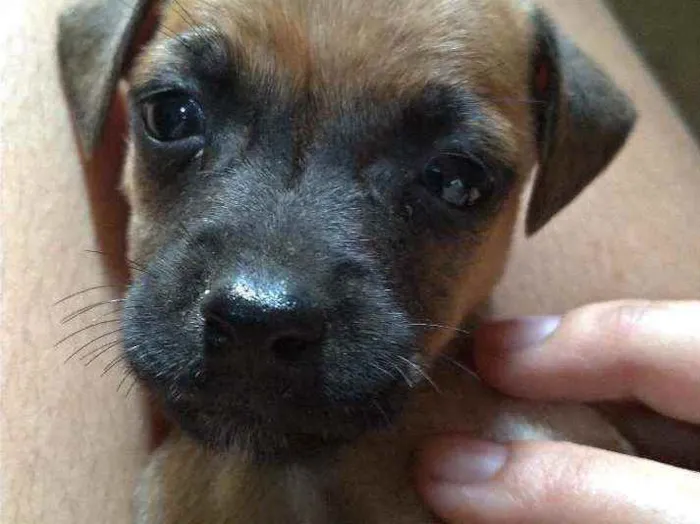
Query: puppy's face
point(311, 200)
point(320, 190)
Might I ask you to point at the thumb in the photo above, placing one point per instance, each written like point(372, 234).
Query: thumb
point(472, 482)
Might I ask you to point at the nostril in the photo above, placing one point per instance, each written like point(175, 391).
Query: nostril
point(217, 332)
point(217, 311)
point(287, 328)
point(298, 341)
point(216, 323)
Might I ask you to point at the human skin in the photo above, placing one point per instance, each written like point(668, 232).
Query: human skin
point(71, 445)
point(641, 351)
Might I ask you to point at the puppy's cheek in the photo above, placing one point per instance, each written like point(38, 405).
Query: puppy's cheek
point(144, 235)
point(464, 276)
point(144, 238)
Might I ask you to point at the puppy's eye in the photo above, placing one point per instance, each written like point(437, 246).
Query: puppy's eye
point(459, 180)
point(172, 116)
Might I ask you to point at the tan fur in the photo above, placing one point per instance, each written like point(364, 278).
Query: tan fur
point(454, 41)
point(382, 49)
point(478, 44)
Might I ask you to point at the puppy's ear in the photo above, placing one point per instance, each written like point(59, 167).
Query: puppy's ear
point(582, 119)
point(94, 38)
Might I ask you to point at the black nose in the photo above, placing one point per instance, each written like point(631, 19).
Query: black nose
point(261, 316)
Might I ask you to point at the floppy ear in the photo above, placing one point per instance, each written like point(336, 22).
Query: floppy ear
point(93, 44)
point(582, 120)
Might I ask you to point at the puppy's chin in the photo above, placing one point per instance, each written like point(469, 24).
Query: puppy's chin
point(270, 411)
point(285, 431)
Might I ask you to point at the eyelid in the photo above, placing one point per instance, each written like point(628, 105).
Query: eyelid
point(482, 160)
point(482, 156)
point(141, 93)
point(477, 159)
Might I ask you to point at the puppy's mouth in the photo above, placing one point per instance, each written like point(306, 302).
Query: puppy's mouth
point(278, 421)
point(276, 414)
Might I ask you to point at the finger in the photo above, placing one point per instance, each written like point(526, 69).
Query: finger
point(472, 482)
point(621, 350)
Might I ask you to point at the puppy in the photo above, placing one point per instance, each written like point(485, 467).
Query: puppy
point(322, 193)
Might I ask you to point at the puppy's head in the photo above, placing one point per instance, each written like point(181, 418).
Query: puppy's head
point(321, 189)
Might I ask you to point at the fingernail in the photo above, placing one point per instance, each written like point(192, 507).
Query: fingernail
point(517, 335)
point(465, 462)
point(457, 471)
point(446, 500)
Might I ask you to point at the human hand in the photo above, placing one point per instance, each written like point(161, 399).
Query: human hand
point(643, 351)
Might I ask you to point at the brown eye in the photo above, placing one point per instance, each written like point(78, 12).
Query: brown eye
point(459, 180)
point(172, 116)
